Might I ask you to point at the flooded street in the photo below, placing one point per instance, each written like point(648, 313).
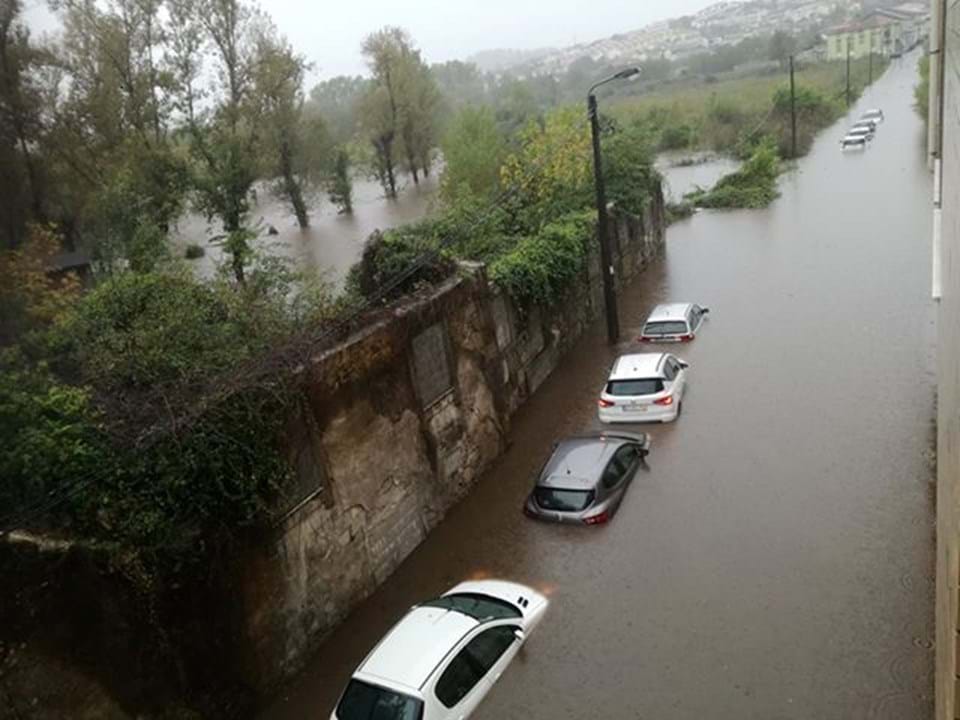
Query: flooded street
point(333, 242)
point(774, 561)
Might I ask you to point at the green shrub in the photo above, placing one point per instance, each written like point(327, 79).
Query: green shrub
point(194, 251)
point(540, 269)
point(754, 185)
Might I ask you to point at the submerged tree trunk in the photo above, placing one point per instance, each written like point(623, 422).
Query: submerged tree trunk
point(291, 187)
point(384, 147)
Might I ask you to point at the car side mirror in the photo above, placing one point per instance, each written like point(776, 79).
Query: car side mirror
point(705, 310)
point(519, 635)
point(684, 364)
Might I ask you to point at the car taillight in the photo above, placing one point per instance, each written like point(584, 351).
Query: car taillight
point(598, 519)
point(665, 401)
point(644, 338)
point(685, 338)
point(605, 403)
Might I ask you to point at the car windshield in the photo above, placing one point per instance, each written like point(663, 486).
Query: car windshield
point(631, 388)
point(479, 607)
point(665, 328)
point(363, 701)
point(563, 500)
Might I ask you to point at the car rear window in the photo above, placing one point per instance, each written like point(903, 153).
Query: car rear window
point(480, 607)
point(674, 327)
point(363, 701)
point(632, 388)
point(563, 500)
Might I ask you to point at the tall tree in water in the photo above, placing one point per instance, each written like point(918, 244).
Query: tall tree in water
point(385, 52)
point(278, 87)
point(223, 119)
point(419, 113)
point(20, 127)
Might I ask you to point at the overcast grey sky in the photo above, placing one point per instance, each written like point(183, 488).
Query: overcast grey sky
point(329, 33)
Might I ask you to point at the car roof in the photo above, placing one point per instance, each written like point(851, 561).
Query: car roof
point(872, 111)
point(416, 645)
point(578, 462)
point(669, 311)
point(638, 366)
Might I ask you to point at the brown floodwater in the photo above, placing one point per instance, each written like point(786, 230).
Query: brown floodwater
point(332, 243)
point(775, 559)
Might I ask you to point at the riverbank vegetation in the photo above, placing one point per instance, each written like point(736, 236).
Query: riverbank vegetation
point(723, 115)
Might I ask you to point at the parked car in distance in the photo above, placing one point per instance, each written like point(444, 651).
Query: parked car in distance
point(443, 657)
point(673, 322)
point(863, 128)
point(875, 114)
point(870, 125)
point(860, 132)
point(853, 142)
point(586, 477)
point(645, 387)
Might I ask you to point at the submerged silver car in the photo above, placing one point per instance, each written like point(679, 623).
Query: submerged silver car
point(586, 477)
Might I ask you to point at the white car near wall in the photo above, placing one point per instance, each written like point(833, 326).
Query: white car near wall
point(443, 657)
point(645, 387)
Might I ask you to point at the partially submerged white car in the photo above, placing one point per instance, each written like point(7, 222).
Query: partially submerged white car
point(444, 656)
point(644, 387)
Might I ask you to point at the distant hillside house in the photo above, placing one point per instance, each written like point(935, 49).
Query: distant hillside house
point(884, 31)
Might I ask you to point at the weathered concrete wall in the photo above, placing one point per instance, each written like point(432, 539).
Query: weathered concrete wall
point(395, 426)
point(948, 402)
point(399, 423)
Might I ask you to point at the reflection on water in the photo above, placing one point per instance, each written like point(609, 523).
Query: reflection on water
point(332, 243)
point(683, 172)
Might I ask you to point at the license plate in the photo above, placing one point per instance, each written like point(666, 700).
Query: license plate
point(634, 407)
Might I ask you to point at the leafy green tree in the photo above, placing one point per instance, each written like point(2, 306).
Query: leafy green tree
point(21, 106)
point(341, 184)
point(782, 46)
point(552, 170)
point(278, 85)
point(224, 127)
point(419, 113)
point(473, 151)
point(385, 52)
point(336, 101)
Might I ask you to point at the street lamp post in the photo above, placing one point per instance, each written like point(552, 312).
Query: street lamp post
point(606, 257)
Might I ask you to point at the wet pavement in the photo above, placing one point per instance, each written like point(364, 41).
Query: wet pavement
point(775, 559)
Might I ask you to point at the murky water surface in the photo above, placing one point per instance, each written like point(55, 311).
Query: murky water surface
point(332, 243)
point(685, 172)
point(775, 560)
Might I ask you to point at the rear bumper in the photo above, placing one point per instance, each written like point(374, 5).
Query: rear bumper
point(616, 415)
point(532, 510)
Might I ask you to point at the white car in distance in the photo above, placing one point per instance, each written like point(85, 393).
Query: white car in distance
point(645, 387)
point(444, 656)
point(673, 322)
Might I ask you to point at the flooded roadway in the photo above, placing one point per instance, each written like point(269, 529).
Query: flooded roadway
point(774, 561)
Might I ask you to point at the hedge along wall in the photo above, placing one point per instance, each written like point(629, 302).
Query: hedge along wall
point(397, 425)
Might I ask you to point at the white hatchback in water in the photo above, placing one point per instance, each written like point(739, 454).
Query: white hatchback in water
point(443, 657)
point(646, 387)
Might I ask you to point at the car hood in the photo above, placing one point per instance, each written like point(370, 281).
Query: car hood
point(531, 603)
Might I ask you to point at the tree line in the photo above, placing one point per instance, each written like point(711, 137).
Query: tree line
point(141, 109)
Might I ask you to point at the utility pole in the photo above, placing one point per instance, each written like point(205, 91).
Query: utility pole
point(793, 113)
point(606, 258)
point(870, 66)
point(848, 72)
